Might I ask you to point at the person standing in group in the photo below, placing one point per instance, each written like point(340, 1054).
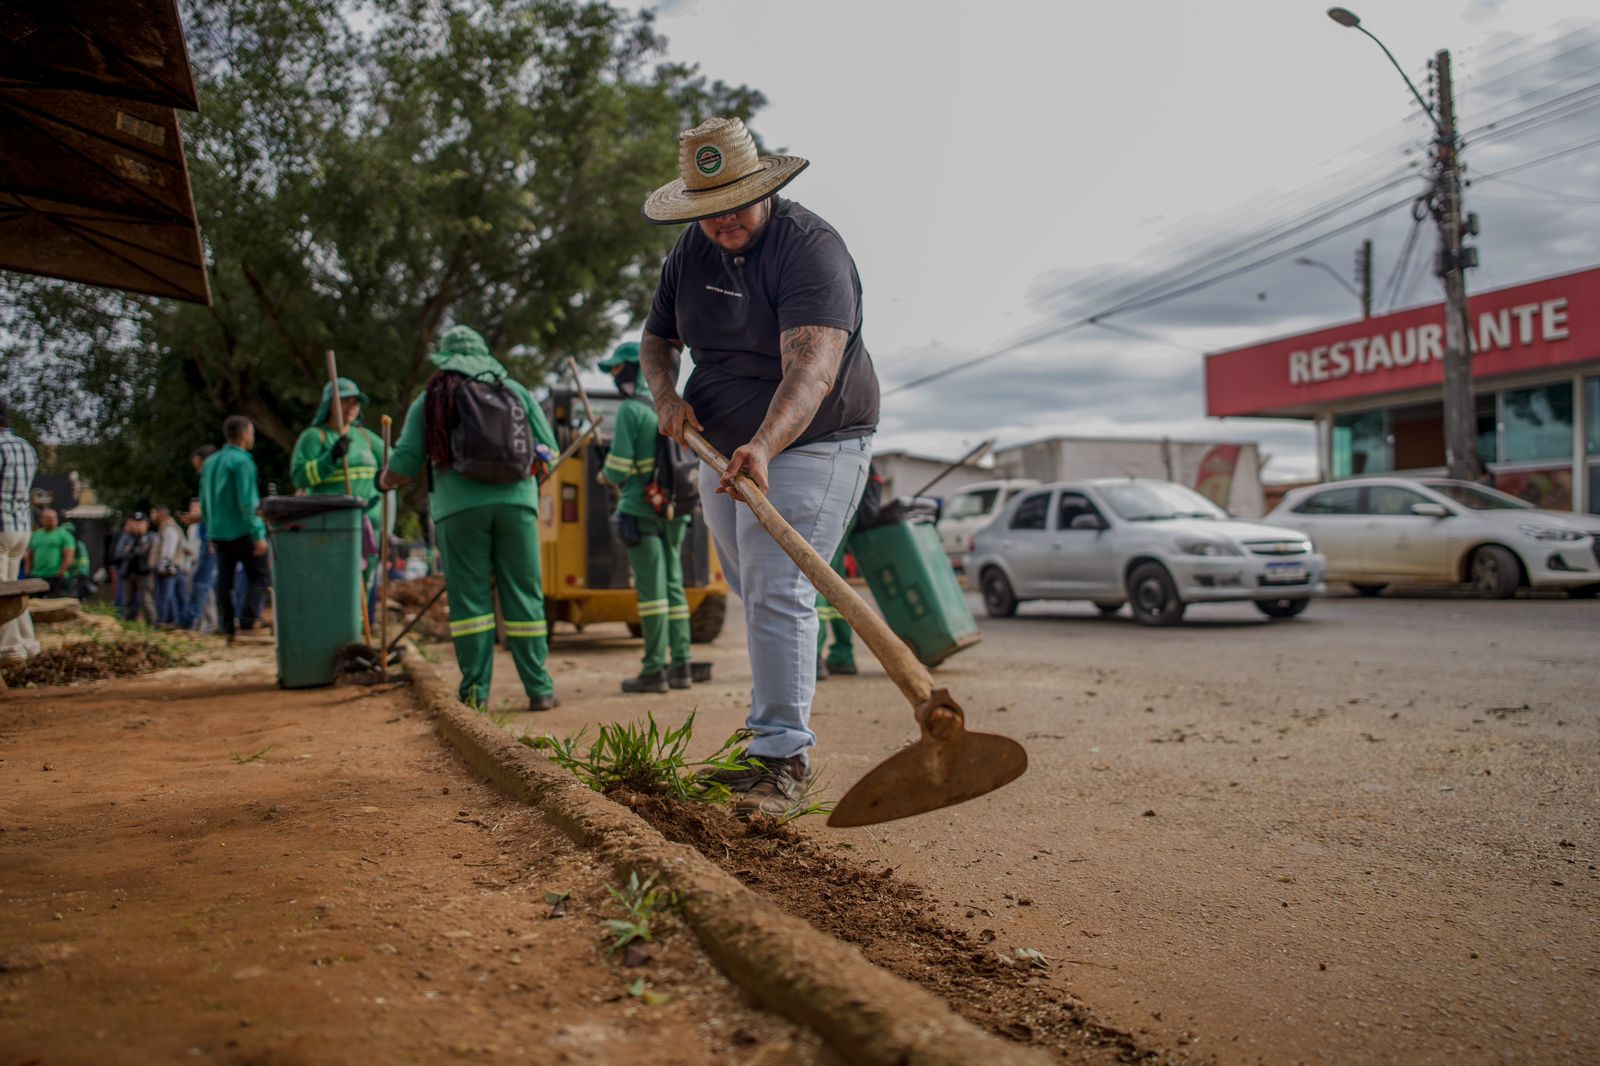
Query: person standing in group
point(480, 437)
point(132, 556)
point(654, 540)
point(765, 295)
point(18, 464)
point(50, 552)
point(320, 455)
point(79, 582)
point(168, 566)
point(200, 607)
point(229, 498)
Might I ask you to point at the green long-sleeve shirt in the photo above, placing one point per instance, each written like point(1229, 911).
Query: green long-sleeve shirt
point(632, 460)
point(453, 492)
point(229, 497)
point(313, 469)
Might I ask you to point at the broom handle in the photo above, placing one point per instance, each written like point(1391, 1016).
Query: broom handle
point(913, 679)
point(336, 412)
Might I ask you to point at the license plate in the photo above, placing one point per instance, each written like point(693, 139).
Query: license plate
point(1286, 573)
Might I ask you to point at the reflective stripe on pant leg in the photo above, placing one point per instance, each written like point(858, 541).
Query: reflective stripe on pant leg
point(464, 547)
point(677, 601)
point(648, 559)
point(515, 554)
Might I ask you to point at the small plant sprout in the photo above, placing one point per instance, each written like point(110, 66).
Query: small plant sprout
point(640, 902)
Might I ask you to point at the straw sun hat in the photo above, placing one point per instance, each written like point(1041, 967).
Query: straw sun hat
point(720, 172)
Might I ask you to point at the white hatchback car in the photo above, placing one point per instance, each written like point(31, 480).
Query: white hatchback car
point(1382, 531)
point(1154, 544)
point(972, 508)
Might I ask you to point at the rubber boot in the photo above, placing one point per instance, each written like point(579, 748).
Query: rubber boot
point(654, 681)
point(679, 676)
point(543, 703)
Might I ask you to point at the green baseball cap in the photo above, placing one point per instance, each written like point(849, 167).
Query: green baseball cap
point(626, 352)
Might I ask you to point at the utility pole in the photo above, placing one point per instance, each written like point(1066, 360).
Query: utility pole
point(1364, 272)
point(1460, 408)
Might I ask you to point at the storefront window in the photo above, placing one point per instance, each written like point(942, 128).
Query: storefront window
point(1361, 444)
point(1538, 422)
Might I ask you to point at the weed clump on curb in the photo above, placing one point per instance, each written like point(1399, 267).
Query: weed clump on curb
point(91, 660)
point(646, 758)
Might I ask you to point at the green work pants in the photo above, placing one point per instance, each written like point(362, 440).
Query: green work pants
point(485, 547)
point(657, 562)
point(843, 652)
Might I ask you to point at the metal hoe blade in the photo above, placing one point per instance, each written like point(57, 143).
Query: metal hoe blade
point(945, 766)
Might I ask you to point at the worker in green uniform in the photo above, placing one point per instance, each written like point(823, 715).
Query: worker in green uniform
point(654, 540)
point(841, 658)
point(77, 575)
point(482, 438)
point(317, 465)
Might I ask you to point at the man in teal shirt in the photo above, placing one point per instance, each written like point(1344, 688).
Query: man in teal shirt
point(229, 499)
point(50, 551)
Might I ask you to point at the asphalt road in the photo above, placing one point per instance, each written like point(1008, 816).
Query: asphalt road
point(1368, 834)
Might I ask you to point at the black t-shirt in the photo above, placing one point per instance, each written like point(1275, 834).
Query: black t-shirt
point(729, 311)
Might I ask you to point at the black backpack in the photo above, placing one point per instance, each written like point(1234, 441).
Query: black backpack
point(674, 488)
point(490, 438)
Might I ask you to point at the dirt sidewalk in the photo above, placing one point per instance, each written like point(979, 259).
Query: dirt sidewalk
point(199, 866)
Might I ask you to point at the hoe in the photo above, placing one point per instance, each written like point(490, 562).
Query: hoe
point(946, 765)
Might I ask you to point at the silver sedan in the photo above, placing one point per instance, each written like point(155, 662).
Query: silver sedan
point(1155, 545)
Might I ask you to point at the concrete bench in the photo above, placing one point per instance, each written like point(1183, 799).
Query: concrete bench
point(14, 596)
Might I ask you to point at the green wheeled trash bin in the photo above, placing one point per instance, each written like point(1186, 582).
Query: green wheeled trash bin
point(316, 583)
point(909, 574)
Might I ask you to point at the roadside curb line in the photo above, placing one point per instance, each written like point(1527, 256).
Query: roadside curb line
point(865, 1014)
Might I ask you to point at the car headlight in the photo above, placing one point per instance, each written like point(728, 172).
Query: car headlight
point(1203, 546)
point(1551, 533)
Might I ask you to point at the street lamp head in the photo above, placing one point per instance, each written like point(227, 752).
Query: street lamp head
point(1344, 17)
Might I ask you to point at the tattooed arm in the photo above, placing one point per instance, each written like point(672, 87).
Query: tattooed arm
point(811, 358)
point(658, 362)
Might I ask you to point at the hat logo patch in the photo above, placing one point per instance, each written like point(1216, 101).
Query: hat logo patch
point(708, 159)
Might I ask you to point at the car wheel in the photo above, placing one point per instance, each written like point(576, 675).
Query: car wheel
point(998, 599)
point(1495, 572)
point(1154, 596)
point(1368, 590)
point(1284, 608)
point(1109, 607)
point(705, 624)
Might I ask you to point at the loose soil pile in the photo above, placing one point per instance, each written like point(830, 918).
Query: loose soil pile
point(891, 921)
point(412, 596)
point(90, 660)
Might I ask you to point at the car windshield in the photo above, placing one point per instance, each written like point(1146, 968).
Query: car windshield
point(1478, 498)
point(1155, 501)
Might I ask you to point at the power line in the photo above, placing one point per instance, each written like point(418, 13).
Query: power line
point(1557, 154)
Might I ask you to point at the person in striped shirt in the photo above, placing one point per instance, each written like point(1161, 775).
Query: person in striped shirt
point(18, 464)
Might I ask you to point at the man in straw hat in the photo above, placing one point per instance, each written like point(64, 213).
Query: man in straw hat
point(767, 299)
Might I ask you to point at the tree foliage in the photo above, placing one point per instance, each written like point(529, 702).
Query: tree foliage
point(367, 175)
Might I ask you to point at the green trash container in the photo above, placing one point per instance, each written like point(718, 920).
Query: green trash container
point(910, 576)
point(316, 583)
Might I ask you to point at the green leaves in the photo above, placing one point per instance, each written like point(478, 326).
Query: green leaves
point(647, 758)
point(365, 176)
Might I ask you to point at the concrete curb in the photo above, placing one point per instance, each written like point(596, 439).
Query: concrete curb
point(865, 1014)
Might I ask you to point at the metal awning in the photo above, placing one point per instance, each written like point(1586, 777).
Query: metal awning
point(93, 182)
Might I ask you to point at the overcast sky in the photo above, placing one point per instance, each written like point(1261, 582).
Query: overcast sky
point(999, 167)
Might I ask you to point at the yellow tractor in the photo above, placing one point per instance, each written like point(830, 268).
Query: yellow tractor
point(586, 574)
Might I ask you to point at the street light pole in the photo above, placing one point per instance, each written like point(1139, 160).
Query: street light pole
point(1460, 408)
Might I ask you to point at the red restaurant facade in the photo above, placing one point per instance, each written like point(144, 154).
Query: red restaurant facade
point(1374, 388)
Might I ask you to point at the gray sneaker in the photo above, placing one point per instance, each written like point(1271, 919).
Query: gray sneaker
point(777, 788)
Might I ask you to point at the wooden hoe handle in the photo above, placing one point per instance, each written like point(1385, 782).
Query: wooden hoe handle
point(898, 660)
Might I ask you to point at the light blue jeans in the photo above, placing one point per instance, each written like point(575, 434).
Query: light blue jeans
point(816, 488)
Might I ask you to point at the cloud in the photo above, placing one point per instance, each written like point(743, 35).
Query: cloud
point(1535, 223)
